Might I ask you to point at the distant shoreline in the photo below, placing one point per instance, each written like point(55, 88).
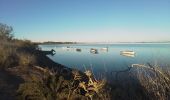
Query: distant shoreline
point(51, 43)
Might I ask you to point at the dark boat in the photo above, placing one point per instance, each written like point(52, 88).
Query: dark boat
point(78, 50)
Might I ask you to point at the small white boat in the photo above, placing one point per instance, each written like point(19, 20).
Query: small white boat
point(128, 55)
point(104, 49)
point(127, 52)
point(65, 47)
point(94, 51)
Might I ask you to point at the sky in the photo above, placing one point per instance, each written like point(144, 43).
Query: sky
point(88, 20)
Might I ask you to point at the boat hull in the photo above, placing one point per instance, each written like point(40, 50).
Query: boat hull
point(128, 52)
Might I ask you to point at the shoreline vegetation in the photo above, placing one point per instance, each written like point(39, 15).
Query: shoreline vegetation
point(26, 73)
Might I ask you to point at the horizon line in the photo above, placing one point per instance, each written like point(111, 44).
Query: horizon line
point(101, 42)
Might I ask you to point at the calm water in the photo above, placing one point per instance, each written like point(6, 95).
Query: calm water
point(109, 60)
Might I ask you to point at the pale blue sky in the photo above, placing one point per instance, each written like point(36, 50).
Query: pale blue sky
point(88, 20)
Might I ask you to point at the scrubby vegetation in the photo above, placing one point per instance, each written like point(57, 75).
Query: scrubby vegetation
point(55, 86)
point(42, 79)
point(14, 52)
point(140, 83)
point(15, 55)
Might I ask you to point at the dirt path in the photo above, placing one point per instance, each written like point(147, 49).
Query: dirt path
point(8, 85)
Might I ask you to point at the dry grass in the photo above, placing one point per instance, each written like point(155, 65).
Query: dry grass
point(92, 86)
point(142, 82)
point(16, 53)
point(52, 86)
point(155, 80)
point(8, 56)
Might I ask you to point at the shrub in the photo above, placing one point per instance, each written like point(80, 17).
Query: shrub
point(32, 91)
point(11, 55)
point(26, 59)
point(8, 57)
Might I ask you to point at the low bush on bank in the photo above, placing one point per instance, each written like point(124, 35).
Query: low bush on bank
point(16, 55)
point(26, 59)
point(14, 52)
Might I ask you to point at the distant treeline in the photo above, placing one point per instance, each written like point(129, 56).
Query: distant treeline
point(51, 42)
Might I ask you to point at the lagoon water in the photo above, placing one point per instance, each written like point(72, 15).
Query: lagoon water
point(111, 59)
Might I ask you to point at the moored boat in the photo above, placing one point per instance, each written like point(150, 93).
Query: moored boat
point(78, 50)
point(104, 49)
point(127, 55)
point(94, 51)
point(66, 47)
point(127, 52)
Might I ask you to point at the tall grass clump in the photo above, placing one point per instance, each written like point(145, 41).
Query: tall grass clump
point(155, 80)
point(141, 82)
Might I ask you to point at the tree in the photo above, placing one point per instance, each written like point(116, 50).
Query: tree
point(6, 32)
